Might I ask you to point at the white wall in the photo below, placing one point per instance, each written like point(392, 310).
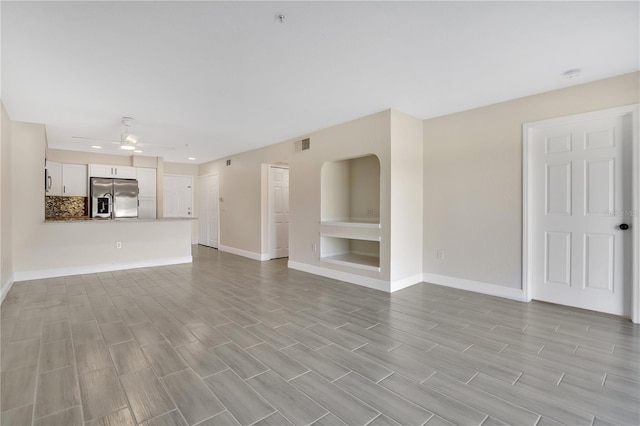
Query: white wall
point(6, 221)
point(50, 249)
point(473, 179)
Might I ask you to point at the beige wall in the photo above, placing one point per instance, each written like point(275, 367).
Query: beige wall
point(473, 178)
point(243, 191)
point(6, 253)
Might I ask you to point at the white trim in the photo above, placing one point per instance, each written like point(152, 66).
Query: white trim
point(527, 230)
point(92, 269)
point(6, 287)
point(475, 286)
point(405, 282)
point(244, 253)
point(341, 276)
point(635, 222)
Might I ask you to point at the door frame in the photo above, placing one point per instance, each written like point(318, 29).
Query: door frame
point(200, 204)
point(270, 233)
point(527, 196)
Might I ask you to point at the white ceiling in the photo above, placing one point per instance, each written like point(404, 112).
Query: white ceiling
point(226, 77)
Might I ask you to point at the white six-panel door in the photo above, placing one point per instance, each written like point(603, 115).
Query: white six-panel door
point(279, 212)
point(208, 210)
point(581, 194)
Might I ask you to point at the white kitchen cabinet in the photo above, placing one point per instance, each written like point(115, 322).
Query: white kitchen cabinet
point(146, 207)
point(105, 171)
point(147, 202)
point(53, 178)
point(74, 180)
point(146, 181)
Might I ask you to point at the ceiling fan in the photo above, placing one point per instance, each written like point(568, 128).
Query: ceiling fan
point(128, 141)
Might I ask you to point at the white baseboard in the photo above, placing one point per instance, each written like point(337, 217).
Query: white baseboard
point(244, 253)
point(6, 286)
point(405, 282)
point(339, 275)
point(92, 269)
point(475, 286)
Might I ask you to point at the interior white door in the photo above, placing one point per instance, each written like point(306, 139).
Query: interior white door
point(581, 196)
point(208, 199)
point(178, 196)
point(278, 212)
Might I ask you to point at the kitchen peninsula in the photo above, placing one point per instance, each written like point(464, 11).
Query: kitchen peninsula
point(84, 245)
point(52, 248)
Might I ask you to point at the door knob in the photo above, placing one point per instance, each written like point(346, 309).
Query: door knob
point(624, 226)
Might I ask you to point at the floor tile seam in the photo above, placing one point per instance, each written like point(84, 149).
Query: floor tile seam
point(438, 392)
point(343, 390)
point(75, 370)
point(594, 392)
point(164, 387)
point(209, 418)
point(58, 412)
point(589, 368)
point(114, 370)
point(37, 381)
point(502, 400)
point(587, 409)
point(386, 389)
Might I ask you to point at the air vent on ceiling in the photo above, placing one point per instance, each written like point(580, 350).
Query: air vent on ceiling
point(303, 145)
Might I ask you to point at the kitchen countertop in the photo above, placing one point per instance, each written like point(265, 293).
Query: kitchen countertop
point(87, 219)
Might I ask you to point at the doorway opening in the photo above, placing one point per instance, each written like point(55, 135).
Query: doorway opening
point(209, 210)
point(277, 211)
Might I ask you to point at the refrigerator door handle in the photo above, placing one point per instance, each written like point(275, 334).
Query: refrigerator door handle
point(112, 206)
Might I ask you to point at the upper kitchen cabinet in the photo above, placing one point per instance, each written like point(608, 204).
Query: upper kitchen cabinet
point(146, 181)
point(74, 180)
point(53, 178)
point(65, 179)
point(104, 171)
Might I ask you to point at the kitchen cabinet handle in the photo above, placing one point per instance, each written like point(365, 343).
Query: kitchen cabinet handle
point(64, 189)
point(50, 183)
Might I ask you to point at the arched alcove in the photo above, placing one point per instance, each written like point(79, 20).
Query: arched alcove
point(350, 212)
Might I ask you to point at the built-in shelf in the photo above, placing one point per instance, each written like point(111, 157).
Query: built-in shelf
point(370, 263)
point(348, 229)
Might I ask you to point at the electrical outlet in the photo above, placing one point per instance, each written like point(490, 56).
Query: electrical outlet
point(314, 247)
point(370, 211)
point(440, 254)
point(118, 245)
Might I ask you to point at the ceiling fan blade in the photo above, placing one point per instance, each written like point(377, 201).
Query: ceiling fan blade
point(94, 139)
point(151, 146)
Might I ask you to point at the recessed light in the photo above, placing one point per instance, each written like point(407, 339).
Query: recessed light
point(191, 158)
point(96, 147)
point(127, 147)
point(138, 151)
point(572, 73)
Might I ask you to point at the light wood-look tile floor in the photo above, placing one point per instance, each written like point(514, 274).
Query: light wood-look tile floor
point(227, 341)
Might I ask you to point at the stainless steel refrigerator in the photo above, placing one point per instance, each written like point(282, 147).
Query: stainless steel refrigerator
point(114, 198)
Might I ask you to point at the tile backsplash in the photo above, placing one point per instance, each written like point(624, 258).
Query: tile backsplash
point(65, 206)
